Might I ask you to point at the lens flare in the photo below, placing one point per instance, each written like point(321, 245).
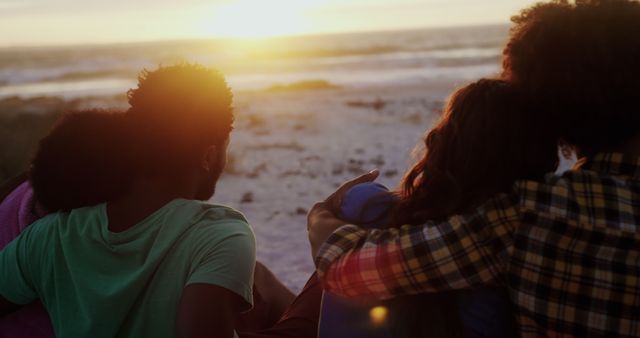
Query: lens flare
point(378, 315)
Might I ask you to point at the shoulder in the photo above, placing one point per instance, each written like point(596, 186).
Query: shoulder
point(205, 212)
point(570, 182)
point(45, 225)
point(33, 245)
point(219, 212)
point(552, 184)
point(556, 194)
point(218, 222)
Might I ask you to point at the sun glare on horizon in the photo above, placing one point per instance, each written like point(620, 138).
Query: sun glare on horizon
point(259, 18)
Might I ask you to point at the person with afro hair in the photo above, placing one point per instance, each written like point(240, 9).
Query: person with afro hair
point(566, 246)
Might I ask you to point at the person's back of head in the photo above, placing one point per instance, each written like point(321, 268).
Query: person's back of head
point(581, 62)
point(178, 111)
point(486, 140)
point(83, 161)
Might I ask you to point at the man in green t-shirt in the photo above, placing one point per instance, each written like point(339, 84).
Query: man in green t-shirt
point(156, 261)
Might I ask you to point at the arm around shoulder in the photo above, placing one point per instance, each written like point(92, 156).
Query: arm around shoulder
point(461, 252)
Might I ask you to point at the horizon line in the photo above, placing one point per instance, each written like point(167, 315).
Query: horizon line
point(223, 38)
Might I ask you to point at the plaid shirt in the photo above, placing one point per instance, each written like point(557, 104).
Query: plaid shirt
point(568, 250)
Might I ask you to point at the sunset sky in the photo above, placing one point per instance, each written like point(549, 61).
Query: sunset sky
point(63, 22)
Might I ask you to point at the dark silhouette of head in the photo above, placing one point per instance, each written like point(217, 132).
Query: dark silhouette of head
point(486, 139)
point(83, 161)
point(581, 62)
point(183, 116)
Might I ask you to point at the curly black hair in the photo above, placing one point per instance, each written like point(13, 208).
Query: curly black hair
point(581, 61)
point(84, 160)
point(177, 110)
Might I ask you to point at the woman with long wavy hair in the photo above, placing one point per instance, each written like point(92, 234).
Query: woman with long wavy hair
point(485, 140)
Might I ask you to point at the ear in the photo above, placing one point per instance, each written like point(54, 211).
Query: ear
point(209, 157)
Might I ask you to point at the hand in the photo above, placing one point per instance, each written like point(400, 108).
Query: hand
point(322, 219)
point(321, 223)
point(335, 200)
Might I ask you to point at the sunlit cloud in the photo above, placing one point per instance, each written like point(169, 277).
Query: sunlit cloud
point(259, 18)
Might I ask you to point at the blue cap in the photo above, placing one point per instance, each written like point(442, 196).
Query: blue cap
point(366, 203)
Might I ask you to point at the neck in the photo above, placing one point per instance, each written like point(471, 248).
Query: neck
point(146, 196)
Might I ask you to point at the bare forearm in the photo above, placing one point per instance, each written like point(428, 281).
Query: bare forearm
point(207, 311)
point(275, 294)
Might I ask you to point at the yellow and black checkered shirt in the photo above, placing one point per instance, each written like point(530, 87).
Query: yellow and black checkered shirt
point(568, 250)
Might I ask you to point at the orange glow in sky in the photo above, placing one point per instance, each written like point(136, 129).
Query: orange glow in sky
point(64, 22)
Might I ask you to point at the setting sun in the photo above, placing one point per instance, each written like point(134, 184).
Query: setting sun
point(258, 18)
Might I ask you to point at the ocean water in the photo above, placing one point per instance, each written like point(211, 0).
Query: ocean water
point(284, 163)
point(355, 60)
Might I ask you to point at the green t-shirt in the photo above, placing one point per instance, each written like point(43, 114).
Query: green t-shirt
point(95, 283)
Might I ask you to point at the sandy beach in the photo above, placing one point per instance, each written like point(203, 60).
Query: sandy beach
point(290, 150)
point(310, 112)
